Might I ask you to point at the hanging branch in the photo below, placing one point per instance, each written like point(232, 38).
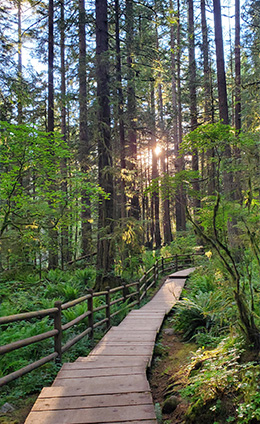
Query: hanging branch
point(213, 244)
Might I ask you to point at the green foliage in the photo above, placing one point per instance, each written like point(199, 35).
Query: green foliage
point(184, 243)
point(21, 330)
point(31, 189)
point(220, 386)
point(128, 237)
point(201, 314)
point(206, 310)
point(158, 413)
point(228, 222)
point(28, 384)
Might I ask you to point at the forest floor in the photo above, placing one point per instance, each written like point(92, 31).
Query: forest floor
point(20, 412)
point(170, 355)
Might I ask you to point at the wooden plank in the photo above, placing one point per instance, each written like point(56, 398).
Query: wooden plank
point(134, 331)
point(141, 313)
point(134, 323)
point(130, 337)
point(94, 401)
point(135, 318)
point(184, 272)
point(98, 372)
point(100, 385)
point(131, 350)
point(93, 415)
point(112, 361)
point(142, 326)
point(82, 365)
point(115, 342)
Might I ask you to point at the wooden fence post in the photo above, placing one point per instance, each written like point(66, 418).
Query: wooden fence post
point(138, 292)
point(57, 326)
point(124, 292)
point(90, 309)
point(145, 284)
point(155, 271)
point(176, 262)
point(162, 264)
point(108, 307)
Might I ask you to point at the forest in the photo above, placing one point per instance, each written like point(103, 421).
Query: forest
point(130, 132)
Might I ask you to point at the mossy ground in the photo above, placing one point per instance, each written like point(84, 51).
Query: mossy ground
point(170, 355)
point(22, 409)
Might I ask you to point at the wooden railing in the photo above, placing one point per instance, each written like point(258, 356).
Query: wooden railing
point(130, 295)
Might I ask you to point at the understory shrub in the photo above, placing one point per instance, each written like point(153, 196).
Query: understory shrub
point(220, 386)
point(204, 313)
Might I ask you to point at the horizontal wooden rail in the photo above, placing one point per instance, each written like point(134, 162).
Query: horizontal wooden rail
point(26, 342)
point(99, 323)
point(74, 302)
point(114, 302)
point(110, 297)
point(116, 289)
point(75, 321)
point(99, 308)
point(27, 316)
point(76, 339)
point(28, 368)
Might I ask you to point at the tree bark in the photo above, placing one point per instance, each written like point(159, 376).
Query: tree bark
point(53, 235)
point(155, 176)
point(84, 147)
point(167, 232)
point(237, 176)
point(120, 110)
point(206, 67)
point(208, 106)
point(131, 110)
point(65, 253)
point(180, 202)
point(193, 97)
point(237, 68)
point(105, 176)
point(222, 89)
point(20, 74)
point(221, 74)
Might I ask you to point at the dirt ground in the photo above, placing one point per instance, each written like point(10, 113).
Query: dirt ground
point(20, 413)
point(170, 354)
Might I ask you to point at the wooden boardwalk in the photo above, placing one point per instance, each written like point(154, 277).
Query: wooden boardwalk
point(110, 384)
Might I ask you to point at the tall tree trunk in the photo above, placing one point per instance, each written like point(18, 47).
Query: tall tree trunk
point(207, 96)
point(106, 208)
point(221, 74)
point(20, 74)
point(222, 88)
point(53, 235)
point(64, 186)
point(131, 109)
point(50, 70)
point(237, 177)
point(180, 203)
point(167, 232)
point(84, 147)
point(155, 176)
point(237, 68)
point(193, 97)
point(120, 111)
point(173, 82)
point(206, 67)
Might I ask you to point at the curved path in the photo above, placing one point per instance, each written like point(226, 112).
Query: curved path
point(110, 384)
